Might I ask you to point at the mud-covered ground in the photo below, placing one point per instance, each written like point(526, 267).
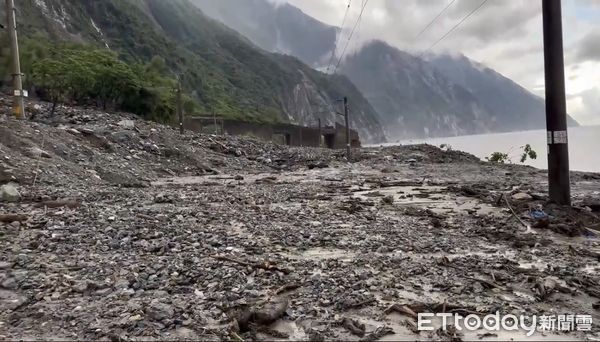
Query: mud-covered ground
point(125, 230)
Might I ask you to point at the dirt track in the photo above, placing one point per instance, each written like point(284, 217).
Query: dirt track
point(138, 233)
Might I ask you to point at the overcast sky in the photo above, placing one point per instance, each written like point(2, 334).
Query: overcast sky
point(504, 34)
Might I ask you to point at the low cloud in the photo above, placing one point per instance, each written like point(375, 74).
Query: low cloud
point(588, 49)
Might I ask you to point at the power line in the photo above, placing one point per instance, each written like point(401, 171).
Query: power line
point(455, 26)
point(351, 34)
point(434, 19)
point(337, 38)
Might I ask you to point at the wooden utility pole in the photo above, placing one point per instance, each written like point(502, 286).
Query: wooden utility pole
point(179, 106)
point(18, 93)
point(347, 119)
point(556, 105)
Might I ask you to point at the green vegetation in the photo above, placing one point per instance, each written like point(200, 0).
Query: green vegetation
point(83, 75)
point(499, 157)
point(503, 158)
point(528, 152)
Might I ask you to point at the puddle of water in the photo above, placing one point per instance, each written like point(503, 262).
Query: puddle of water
point(508, 254)
point(320, 254)
point(435, 198)
point(296, 177)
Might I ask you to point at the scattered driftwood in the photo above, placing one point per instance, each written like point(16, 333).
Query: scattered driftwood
point(69, 203)
point(287, 288)
point(359, 304)
point(487, 283)
point(267, 266)
point(413, 310)
point(513, 211)
point(354, 327)
point(10, 218)
point(391, 184)
point(401, 309)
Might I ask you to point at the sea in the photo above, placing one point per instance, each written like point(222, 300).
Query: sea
point(584, 146)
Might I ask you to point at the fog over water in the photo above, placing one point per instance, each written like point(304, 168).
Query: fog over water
point(584, 146)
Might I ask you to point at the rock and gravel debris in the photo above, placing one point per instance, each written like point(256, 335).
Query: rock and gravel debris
point(114, 228)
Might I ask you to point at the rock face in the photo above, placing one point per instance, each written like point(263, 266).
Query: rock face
point(276, 27)
point(413, 98)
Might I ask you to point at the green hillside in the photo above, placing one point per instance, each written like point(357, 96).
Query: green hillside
point(221, 70)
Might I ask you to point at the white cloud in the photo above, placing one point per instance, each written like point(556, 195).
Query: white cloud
point(505, 34)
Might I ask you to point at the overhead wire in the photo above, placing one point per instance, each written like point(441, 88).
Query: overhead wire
point(338, 38)
point(351, 35)
point(434, 19)
point(455, 27)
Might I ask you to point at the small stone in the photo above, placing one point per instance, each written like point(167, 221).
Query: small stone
point(121, 283)
point(521, 196)
point(135, 318)
point(81, 287)
point(9, 193)
point(127, 124)
point(10, 283)
point(36, 152)
point(159, 311)
point(388, 200)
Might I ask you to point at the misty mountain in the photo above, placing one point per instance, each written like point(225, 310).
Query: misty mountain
point(223, 70)
point(514, 107)
point(412, 97)
point(275, 27)
point(440, 95)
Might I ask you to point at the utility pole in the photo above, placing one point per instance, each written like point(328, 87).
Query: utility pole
point(320, 131)
point(556, 106)
point(179, 106)
point(19, 94)
point(346, 118)
point(215, 122)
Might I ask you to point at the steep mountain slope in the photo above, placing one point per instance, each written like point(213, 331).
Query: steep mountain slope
point(413, 98)
point(437, 96)
point(275, 27)
point(515, 107)
point(224, 71)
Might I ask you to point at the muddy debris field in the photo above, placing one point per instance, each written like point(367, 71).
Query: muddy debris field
point(114, 228)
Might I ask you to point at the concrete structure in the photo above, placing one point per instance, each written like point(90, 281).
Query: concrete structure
point(330, 136)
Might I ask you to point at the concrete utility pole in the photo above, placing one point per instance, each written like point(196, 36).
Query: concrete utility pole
point(320, 131)
point(215, 122)
point(556, 105)
point(19, 94)
point(346, 118)
point(179, 106)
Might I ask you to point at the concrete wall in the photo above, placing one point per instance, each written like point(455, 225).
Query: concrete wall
point(291, 134)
